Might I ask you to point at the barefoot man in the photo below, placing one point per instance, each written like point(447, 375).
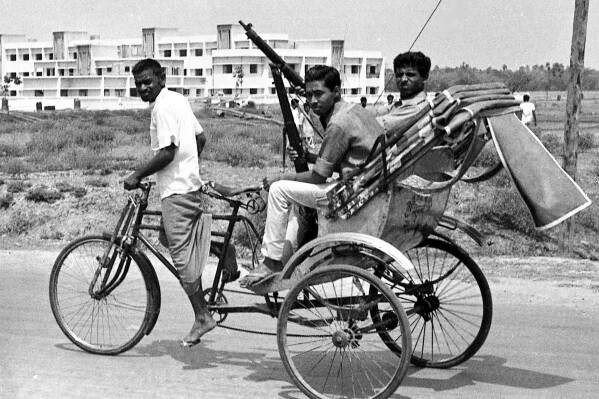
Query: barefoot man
point(177, 140)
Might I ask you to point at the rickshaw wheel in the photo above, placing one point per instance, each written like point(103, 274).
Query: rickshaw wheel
point(448, 302)
point(329, 344)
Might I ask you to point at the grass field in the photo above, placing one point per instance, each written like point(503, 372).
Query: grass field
point(60, 177)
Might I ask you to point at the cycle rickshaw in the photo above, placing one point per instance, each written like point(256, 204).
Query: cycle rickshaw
point(381, 286)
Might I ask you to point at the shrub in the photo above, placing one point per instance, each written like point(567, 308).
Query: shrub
point(64, 187)
point(6, 200)
point(79, 192)
point(96, 182)
point(586, 141)
point(11, 150)
point(17, 186)
point(15, 167)
point(43, 194)
point(553, 144)
point(23, 220)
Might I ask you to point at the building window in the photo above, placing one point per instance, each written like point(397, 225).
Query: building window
point(253, 91)
point(372, 90)
point(167, 53)
point(198, 92)
point(372, 70)
point(64, 93)
point(186, 92)
point(253, 68)
point(50, 56)
point(273, 90)
point(175, 71)
point(108, 69)
point(25, 57)
point(199, 72)
point(13, 75)
point(355, 91)
point(38, 57)
point(25, 74)
point(71, 71)
point(182, 53)
point(38, 73)
point(127, 69)
point(50, 72)
point(198, 52)
point(13, 57)
point(106, 92)
point(61, 72)
point(99, 71)
point(355, 69)
point(119, 92)
point(13, 93)
point(74, 56)
point(82, 92)
point(39, 93)
point(227, 91)
point(228, 68)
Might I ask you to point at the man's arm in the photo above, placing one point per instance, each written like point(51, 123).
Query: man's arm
point(158, 162)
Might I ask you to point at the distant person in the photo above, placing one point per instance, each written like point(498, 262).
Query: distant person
point(295, 112)
point(363, 101)
point(528, 111)
point(306, 129)
point(177, 140)
point(411, 71)
point(390, 99)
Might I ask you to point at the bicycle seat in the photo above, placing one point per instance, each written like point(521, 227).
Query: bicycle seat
point(227, 191)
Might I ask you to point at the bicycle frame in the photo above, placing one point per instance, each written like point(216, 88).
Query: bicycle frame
point(128, 231)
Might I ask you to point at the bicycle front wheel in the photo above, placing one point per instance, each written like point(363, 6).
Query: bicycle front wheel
point(106, 322)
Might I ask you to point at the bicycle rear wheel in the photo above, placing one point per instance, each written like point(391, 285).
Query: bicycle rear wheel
point(106, 323)
point(329, 344)
point(448, 302)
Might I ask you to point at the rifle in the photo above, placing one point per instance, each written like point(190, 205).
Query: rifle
point(278, 67)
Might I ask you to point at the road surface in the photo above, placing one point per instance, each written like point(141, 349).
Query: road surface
point(543, 344)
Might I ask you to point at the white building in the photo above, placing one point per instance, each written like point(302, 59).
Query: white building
point(76, 65)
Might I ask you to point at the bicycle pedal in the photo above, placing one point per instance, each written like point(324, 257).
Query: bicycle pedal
point(229, 277)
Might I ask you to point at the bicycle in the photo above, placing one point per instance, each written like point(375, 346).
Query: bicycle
point(338, 325)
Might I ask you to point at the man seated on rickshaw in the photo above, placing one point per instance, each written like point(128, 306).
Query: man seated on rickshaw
point(411, 71)
point(350, 134)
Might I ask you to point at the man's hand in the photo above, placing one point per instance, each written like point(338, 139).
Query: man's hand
point(268, 180)
point(131, 182)
point(292, 153)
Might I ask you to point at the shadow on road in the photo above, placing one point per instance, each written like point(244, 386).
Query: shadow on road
point(484, 369)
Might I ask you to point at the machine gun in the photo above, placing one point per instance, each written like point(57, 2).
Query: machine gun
point(278, 67)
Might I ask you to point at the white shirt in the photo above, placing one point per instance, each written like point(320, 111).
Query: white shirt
point(527, 108)
point(173, 122)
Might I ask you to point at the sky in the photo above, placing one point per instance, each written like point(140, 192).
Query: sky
point(480, 33)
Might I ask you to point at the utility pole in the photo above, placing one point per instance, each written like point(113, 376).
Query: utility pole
point(571, 128)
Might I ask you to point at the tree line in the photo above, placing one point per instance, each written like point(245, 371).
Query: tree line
point(548, 77)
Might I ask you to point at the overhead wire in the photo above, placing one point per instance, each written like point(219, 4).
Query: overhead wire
point(412, 46)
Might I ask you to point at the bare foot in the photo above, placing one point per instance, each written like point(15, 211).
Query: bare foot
point(199, 328)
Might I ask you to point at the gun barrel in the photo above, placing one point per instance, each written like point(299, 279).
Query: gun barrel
point(291, 75)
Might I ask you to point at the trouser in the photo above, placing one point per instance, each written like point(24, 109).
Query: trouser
point(283, 223)
point(188, 233)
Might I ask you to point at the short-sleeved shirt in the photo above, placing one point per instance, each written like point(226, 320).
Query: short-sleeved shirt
point(173, 122)
point(527, 108)
point(403, 110)
point(350, 134)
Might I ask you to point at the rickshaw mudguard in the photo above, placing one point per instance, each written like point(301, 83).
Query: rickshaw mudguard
point(452, 223)
point(400, 261)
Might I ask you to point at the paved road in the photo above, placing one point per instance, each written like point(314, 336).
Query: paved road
point(543, 344)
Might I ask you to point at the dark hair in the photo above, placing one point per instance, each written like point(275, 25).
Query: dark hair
point(363, 99)
point(146, 64)
point(526, 97)
point(414, 59)
point(329, 75)
point(390, 96)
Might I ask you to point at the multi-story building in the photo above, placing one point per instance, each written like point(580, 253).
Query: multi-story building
point(77, 65)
